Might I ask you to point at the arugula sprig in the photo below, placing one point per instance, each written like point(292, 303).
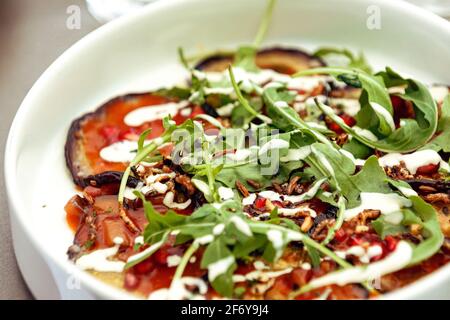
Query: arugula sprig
point(227, 235)
point(144, 151)
point(245, 55)
point(354, 61)
point(441, 141)
point(376, 109)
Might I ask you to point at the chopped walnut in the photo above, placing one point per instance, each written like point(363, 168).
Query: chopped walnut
point(437, 197)
point(242, 189)
point(307, 224)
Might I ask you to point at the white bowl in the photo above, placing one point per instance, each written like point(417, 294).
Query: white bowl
point(138, 53)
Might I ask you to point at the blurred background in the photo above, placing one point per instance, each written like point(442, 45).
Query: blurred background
point(32, 35)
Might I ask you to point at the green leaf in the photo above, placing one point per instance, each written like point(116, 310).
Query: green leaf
point(359, 150)
point(243, 249)
point(372, 177)
point(407, 138)
point(216, 252)
point(245, 58)
point(431, 231)
point(353, 61)
point(286, 118)
point(376, 108)
point(441, 140)
point(384, 228)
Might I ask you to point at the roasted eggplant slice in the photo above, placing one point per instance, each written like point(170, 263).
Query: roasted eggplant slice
point(421, 185)
point(287, 60)
point(96, 130)
point(215, 63)
point(283, 60)
point(106, 178)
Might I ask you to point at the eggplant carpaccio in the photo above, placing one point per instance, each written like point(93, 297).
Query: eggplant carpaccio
point(357, 206)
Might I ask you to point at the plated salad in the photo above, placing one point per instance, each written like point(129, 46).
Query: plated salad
point(271, 173)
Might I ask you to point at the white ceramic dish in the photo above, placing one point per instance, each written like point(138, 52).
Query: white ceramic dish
point(138, 53)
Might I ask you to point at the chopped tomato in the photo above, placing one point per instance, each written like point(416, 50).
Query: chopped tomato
point(348, 120)
point(260, 203)
point(428, 169)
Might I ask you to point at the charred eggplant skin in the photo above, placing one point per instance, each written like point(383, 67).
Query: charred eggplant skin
point(284, 60)
point(107, 177)
point(438, 185)
point(76, 160)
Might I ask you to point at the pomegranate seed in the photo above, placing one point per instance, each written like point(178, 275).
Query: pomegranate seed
point(110, 133)
point(260, 203)
point(397, 102)
point(340, 235)
point(333, 126)
point(428, 169)
point(144, 266)
point(161, 256)
point(131, 281)
point(391, 243)
point(349, 120)
point(355, 241)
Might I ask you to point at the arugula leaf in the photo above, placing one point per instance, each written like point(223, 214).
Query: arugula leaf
point(245, 55)
point(359, 150)
point(384, 228)
point(358, 62)
point(441, 141)
point(218, 253)
point(431, 231)
point(286, 118)
point(245, 58)
point(376, 107)
point(405, 139)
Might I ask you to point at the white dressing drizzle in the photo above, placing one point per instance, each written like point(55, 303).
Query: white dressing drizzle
point(99, 260)
point(241, 225)
point(219, 267)
point(178, 290)
point(260, 275)
point(296, 154)
point(412, 161)
point(168, 202)
point(142, 115)
point(387, 203)
point(225, 193)
point(397, 260)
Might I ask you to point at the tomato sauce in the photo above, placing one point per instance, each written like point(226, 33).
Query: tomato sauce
point(109, 127)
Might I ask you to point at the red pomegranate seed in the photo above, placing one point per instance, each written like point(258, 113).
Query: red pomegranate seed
point(161, 256)
point(391, 243)
point(333, 126)
point(110, 133)
point(340, 235)
point(355, 241)
point(144, 266)
point(428, 169)
point(260, 203)
point(131, 281)
point(397, 102)
point(349, 120)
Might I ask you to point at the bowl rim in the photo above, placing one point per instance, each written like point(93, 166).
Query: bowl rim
point(92, 284)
